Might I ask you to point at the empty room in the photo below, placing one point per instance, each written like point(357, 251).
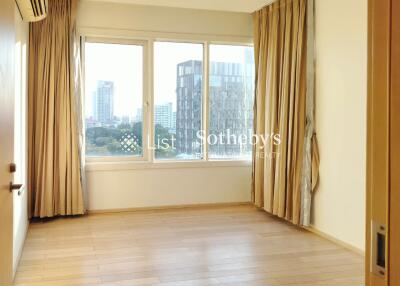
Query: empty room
point(188, 142)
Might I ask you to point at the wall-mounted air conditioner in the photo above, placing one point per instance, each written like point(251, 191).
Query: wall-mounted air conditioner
point(32, 10)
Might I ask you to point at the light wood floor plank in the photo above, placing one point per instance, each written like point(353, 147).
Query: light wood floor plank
point(237, 245)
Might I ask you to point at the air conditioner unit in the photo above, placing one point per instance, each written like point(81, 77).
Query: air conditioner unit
point(32, 10)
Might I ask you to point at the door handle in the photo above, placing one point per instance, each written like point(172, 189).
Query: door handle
point(16, 187)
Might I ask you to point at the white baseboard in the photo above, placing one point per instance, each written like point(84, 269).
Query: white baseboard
point(168, 207)
point(336, 241)
point(21, 250)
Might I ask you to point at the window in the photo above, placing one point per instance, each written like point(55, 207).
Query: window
point(178, 98)
point(231, 97)
point(197, 113)
point(114, 99)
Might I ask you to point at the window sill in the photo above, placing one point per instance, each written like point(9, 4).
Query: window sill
point(115, 166)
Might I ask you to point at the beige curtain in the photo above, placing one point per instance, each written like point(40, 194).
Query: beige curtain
point(54, 175)
point(280, 43)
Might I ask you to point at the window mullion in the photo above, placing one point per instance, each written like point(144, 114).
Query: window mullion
point(205, 102)
point(150, 103)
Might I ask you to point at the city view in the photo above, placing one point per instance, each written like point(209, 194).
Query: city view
point(176, 122)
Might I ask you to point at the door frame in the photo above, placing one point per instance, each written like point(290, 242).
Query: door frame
point(383, 163)
point(7, 45)
point(394, 157)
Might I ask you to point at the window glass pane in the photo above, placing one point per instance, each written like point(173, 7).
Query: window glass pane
point(231, 96)
point(178, 77)
point(113, 99)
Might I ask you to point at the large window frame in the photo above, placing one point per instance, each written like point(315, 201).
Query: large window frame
point(148, 159)
point(145, 97)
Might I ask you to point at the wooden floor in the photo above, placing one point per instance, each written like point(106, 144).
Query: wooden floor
point(210, 246)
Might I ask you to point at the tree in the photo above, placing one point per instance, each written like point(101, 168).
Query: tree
point(164, 142)
point(101, 141)
point(107, 140)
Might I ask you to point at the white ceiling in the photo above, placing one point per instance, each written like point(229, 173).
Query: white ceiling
point(247, 6)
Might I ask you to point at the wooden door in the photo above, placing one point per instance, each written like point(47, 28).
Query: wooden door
point(383, 158)
point(394, 198)
point(378, 134)
point(6, 138)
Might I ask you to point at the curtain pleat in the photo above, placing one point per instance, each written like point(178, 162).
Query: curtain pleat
point(54, 175)
point(280, 46)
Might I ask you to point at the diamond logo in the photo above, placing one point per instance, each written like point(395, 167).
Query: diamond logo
point(129, 142)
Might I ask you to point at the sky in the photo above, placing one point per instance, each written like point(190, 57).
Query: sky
point(123, 64)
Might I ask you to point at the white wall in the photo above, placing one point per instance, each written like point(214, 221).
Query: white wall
point(20, 213)
point(137, 188)
point(341, 41)
point(119, 186)
point(125, 20)
point(341, 87)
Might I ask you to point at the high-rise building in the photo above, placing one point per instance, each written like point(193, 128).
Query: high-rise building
point(173, 126)
point(138, 116)
point(125, 119)
point(103, 103)
point(188, 110)
point(163, 115)
point(231, 97)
